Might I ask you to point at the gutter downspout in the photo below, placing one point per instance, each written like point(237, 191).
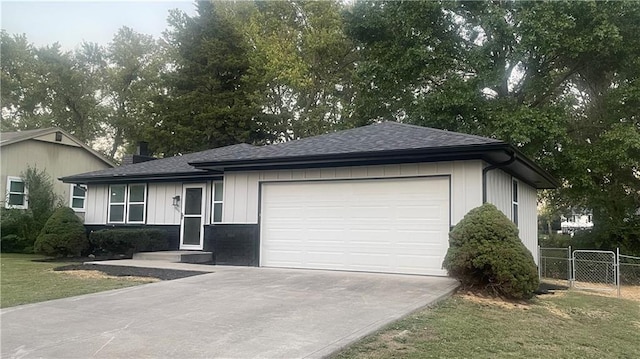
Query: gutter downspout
point(493, 167)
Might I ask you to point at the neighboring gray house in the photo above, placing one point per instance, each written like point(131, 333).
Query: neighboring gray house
point(379, 198)
point(52, 150)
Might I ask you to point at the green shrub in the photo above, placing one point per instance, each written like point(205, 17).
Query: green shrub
point(18, 231)
point(485, 251)
point(129, 241)
point(555, 240)
point(42, 198)
point(20, 227)
point(62, 235)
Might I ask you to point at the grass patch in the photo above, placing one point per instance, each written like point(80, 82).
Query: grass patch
point(24, 281)
point(564, 325)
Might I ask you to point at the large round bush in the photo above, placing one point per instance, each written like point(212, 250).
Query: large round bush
point(485, 251)
point(62, 235)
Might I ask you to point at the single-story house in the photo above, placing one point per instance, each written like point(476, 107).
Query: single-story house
point(52, 150)
point(378, 198)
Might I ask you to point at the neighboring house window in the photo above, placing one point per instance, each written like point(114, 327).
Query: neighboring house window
point(515, 202)
point(217, 202)
point(78, 199)
point(16, 193)
point(127, 203)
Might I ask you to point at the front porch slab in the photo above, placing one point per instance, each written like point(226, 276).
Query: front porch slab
point(176, 256)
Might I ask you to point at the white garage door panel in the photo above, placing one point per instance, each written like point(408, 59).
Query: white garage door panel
point(383, 225)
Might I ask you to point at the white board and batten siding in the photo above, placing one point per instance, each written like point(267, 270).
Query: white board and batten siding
point(385, 218)
point(241, 194)
point(528, 217)
point(499, 193)
point(243, 191)
point(160, 209)
point(97, 202)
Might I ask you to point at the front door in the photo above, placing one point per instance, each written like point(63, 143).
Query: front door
point(192, 222)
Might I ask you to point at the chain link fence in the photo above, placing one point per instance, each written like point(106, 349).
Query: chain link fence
point(595, 270)
point(555, 263)
point(589, 269)
point(629, 270)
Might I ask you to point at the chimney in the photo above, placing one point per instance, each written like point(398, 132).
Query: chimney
point(141, 155)
point(143, 148)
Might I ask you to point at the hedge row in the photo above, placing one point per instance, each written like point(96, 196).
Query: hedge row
point(129, 241)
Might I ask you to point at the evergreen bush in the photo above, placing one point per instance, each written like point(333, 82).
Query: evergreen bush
point(485, 251)
point(62, 235)
point(129, 241)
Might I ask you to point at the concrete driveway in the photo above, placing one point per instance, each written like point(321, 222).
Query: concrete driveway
point(235, 312)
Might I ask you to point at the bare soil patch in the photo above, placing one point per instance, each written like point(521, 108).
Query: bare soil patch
point(95, 274)
point(486, 300)
point(631, 292)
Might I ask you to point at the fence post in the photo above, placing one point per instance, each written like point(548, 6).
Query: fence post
point(539, 263)
point(618, 270)
point(571, 274)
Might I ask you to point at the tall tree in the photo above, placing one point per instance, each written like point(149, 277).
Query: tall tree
point(132, 85)
point(209, 102)
point(553, 78)
point(50, 87)
point(304, 59)
point(22, 93)
point(73, 84)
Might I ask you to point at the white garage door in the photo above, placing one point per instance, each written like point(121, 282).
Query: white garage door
point(382, 225)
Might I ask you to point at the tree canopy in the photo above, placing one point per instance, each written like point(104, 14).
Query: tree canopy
point(559, 80)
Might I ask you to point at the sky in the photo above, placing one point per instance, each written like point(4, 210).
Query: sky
point(71, 22)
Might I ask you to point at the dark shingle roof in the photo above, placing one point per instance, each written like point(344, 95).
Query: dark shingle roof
point(171, 166)
point(379, 137)
point(376, 138)
point(386, 142)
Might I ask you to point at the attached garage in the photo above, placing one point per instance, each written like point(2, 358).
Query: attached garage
point(395, 225)
point(377, 198)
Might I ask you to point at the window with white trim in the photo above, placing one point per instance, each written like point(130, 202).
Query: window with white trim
point(78, 200)
point(216, 213)
point(137, 198)
point(515, 202)
point(16, 193)
point(127, 203)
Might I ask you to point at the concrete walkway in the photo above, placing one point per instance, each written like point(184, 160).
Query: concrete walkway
point(233, 312)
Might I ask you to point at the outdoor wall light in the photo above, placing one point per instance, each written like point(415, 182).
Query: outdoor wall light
point(176, 201)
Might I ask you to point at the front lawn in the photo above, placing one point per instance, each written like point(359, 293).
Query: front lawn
point(565, 325)
point(24, 281)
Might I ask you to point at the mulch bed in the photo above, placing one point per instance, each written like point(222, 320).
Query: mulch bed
point(79, 259)
point(122, 271)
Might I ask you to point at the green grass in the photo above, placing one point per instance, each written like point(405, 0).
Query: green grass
point(24, 281)
point(571, 325)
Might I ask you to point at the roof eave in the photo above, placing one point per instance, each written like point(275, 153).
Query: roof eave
point(141, 178)
point(493, 153)
point(523, 168)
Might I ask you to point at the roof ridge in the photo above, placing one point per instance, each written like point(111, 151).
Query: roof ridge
point(439, 130)
point(26, 134)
